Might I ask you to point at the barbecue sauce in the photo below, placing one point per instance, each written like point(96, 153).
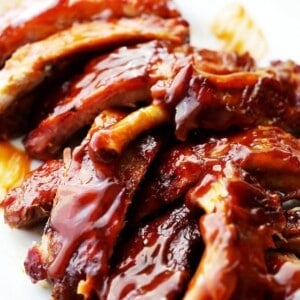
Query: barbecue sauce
point(30, 22)
point(156, 261)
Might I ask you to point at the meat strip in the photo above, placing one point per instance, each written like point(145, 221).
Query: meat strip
point(238, 228)
point(208, 92)
point(40, 58)
point(239, 99)
point(122, 78)
point(34, 20)
point(268, 153)
point(88, 214)
point(32, 201)
point(157, 260)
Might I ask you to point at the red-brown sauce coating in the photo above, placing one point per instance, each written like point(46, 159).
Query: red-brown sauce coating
point(237, 230)
point(32, 201)
point(88, 214)
point(35, 20)
point(156, 261)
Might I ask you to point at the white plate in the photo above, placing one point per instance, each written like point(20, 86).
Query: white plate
point(280, 23)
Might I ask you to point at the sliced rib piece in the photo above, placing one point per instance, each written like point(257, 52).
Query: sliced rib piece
point(121, 78)
point(220, 102)
point(86, 219)
point(230, 96)
point(238, 228)
point(240, 98)
point(157, 259)
point(34, 20)
point(268, 153)
point(174, 172)
point(32, 63)
point(32, 201)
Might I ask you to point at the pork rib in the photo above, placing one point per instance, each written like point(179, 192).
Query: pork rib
point(48, 17)
point(268, 153)
point(238, 228)
point(121, 78)
point(116, 80)
point(37, 60)
point(157, 259)
point(86, 219)
point(230, 96)
point(32, 201)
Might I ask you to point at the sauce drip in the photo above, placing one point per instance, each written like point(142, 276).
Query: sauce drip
point(90, 209)
point(14, 164)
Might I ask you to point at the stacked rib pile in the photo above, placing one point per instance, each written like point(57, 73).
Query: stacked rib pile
point(170, 172)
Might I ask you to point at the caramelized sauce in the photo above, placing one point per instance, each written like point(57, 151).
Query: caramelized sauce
point(105, 73)
point(14, 164)
point(92, 209)
point(34, 20)
point(157, 260)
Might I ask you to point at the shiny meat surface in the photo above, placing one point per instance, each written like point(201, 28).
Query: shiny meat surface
point(125, 77)
point(96, 197)
point(121, 78)
point(40, 58)
point(268, 153)
point(157, 259)
point(186, 185)
point(238, 228)
point(232, 97)
point(35, 20)
point(31, 202)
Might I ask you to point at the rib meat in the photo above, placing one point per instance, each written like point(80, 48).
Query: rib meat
point(40, 58)
point(32, 201)
point(156, 260)
point(86, 219)
point(109, 77)
point(231, 96)
point(242, 99)
point(34, 20)
point(121, 78)
point(238, 228)
point(269, 154)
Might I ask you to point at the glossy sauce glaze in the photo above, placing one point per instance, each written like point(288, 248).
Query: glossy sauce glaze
point(238, 228)
point(14, 165)
point(206, 105)
point(35, 20)
point(260, 151)
point(156, 260)
point(94, 210)
point(107, 74)
point(32, 200)
point(88, 214)
point(121, 78)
